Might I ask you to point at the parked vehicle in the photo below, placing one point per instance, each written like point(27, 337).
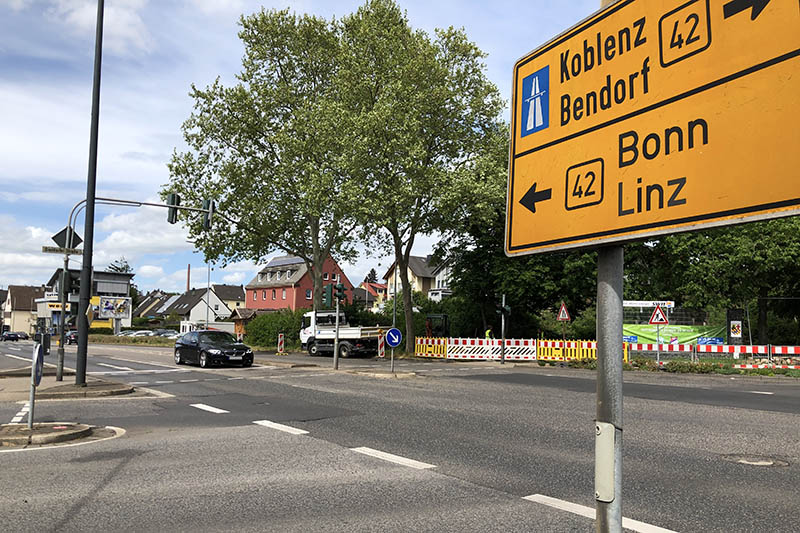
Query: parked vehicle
point(318, 333)
point(21, 335)
point(71, 337)
point(165, 332)
point(10, 336)
point(142, 333)
point(207, 347)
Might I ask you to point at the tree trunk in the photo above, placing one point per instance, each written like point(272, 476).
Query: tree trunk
point(762, 316)
point(316, 266)
point(401, 266)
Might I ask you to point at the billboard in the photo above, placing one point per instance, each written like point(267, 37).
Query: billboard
point(114, 307)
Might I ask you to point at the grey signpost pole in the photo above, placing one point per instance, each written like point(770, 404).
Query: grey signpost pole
point(608, 439)
point(336, 339)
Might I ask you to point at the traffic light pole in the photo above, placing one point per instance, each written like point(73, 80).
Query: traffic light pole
point(91, 185)
point(503, 332)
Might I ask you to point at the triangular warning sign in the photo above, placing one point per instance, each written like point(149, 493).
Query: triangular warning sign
point(658, 317)
point(563, 314)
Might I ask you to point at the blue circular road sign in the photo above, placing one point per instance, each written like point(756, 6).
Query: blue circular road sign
point(394, 337)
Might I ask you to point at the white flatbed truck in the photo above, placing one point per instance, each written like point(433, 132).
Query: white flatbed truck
point(319, 331)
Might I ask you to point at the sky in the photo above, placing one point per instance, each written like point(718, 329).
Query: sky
point(152, 52)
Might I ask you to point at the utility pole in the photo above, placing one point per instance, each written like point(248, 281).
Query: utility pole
point(91, 185)
point(503, 332)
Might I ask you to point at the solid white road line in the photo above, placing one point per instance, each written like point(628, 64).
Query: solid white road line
point(138, 382)
point(188, 380)
point(115, 367)
point(163, 382)
point(393, 458)
point(588, 512)
point(28, 359)
point(280, 427)
point(761, 392)
point(234, 379)
point(140, 362)
point(208, 408)
point(128, 372)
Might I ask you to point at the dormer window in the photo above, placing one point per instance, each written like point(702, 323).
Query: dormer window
point(325, 276)
point(279, 275)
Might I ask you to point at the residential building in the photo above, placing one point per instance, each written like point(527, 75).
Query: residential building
point(372, 295)
point(285, 283)
point(20, 311)
point(3, 294)
point(193, 306)
point(150, 304)
point(441, 282)
point(420, 276)
point(232, 295)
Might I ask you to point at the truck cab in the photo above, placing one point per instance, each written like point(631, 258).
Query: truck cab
point(318, 333)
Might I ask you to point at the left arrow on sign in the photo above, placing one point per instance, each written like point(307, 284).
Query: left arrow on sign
point(737, 6)
point(533, 196)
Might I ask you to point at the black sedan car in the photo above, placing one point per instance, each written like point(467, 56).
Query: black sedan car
point(207, 347)
point(9, 336)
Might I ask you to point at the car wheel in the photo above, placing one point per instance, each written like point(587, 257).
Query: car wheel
point(204, 360)
point(178, 358)
point(345, 350)
point(313, 349)
point(247, 362)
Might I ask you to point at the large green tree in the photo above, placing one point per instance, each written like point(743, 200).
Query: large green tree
point(723, 267)
point(269, 149)
point(421, 109)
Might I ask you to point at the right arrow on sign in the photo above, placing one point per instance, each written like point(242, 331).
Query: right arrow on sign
point(737, 6)
point(532, 196)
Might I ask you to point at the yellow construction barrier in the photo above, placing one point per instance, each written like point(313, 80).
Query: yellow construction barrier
point(430, 347)
point(555, 350)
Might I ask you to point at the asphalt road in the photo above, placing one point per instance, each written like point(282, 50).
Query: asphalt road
point(491, 435)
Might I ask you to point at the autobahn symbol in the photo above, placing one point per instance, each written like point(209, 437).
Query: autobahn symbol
point(394, 337)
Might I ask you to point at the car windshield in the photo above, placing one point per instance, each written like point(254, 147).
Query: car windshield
point(216, 337)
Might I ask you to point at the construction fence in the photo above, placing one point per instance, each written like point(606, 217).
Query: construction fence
point(560, 350)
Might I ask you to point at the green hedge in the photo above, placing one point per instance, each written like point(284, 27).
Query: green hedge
point(111, 339)
point(263, 330)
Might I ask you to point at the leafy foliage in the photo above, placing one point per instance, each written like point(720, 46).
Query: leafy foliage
point(263, 330)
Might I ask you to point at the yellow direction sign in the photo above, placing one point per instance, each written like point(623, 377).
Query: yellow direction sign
point(656, 116)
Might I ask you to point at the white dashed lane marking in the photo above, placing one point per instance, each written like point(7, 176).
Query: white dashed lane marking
point(761, 392)
point(280, 427)
point(209, 408)
point(588, 512)
point(393, 458)
point(115, 367)
point(22, 412)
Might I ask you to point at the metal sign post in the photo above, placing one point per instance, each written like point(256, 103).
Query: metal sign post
point(336, 339)
point(393, 338)
point(37, 366)
point(503, 332)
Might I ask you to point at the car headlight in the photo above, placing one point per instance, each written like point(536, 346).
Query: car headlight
point(249, 352)
point(215, 352)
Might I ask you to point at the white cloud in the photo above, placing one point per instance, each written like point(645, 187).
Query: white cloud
point(149, 271)
point(237, 278)
point(21, 259)
point(124, 31)
point(18, 5)
point(214, 7)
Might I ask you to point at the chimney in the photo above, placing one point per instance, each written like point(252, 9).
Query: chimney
point(188, 276)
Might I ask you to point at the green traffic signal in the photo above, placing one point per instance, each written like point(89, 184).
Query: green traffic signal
point(340, 292)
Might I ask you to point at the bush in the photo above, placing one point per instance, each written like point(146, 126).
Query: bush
point(101, 331)
point(588, 364)
point(111, 339)
point(263, 330)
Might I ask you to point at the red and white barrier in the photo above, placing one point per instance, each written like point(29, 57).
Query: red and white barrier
point(634, 347)
point(280, 343)
point(732, 349)
point(786, 350)
point(381, 346)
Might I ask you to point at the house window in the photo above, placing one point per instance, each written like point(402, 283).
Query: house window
point(308, 294)
point(255, 296)
point(283, 295)
point(260, 276)
point(325, 276)
point(269, 276)
point(338, 277)
point(263, 295)
point(279, 275)
point(239, 304)
point(216, 307)
point(273, 294)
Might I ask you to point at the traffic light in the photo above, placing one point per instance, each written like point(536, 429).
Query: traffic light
point(327, 296)
point(173, 200)
point(503, 309)
point(208, 206)
point(340, 292)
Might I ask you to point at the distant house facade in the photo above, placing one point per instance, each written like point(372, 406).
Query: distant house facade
point(420, 276)
point(441, 283)
point(20, 311)
point(3, 294)
point(148, 307)
point(232, 295)
point(194, 306)
point(112, 284)
point(372, 295)
point(285, 283)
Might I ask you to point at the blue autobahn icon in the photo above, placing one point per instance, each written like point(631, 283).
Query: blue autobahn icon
point(393, 337)
point(535, 108)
